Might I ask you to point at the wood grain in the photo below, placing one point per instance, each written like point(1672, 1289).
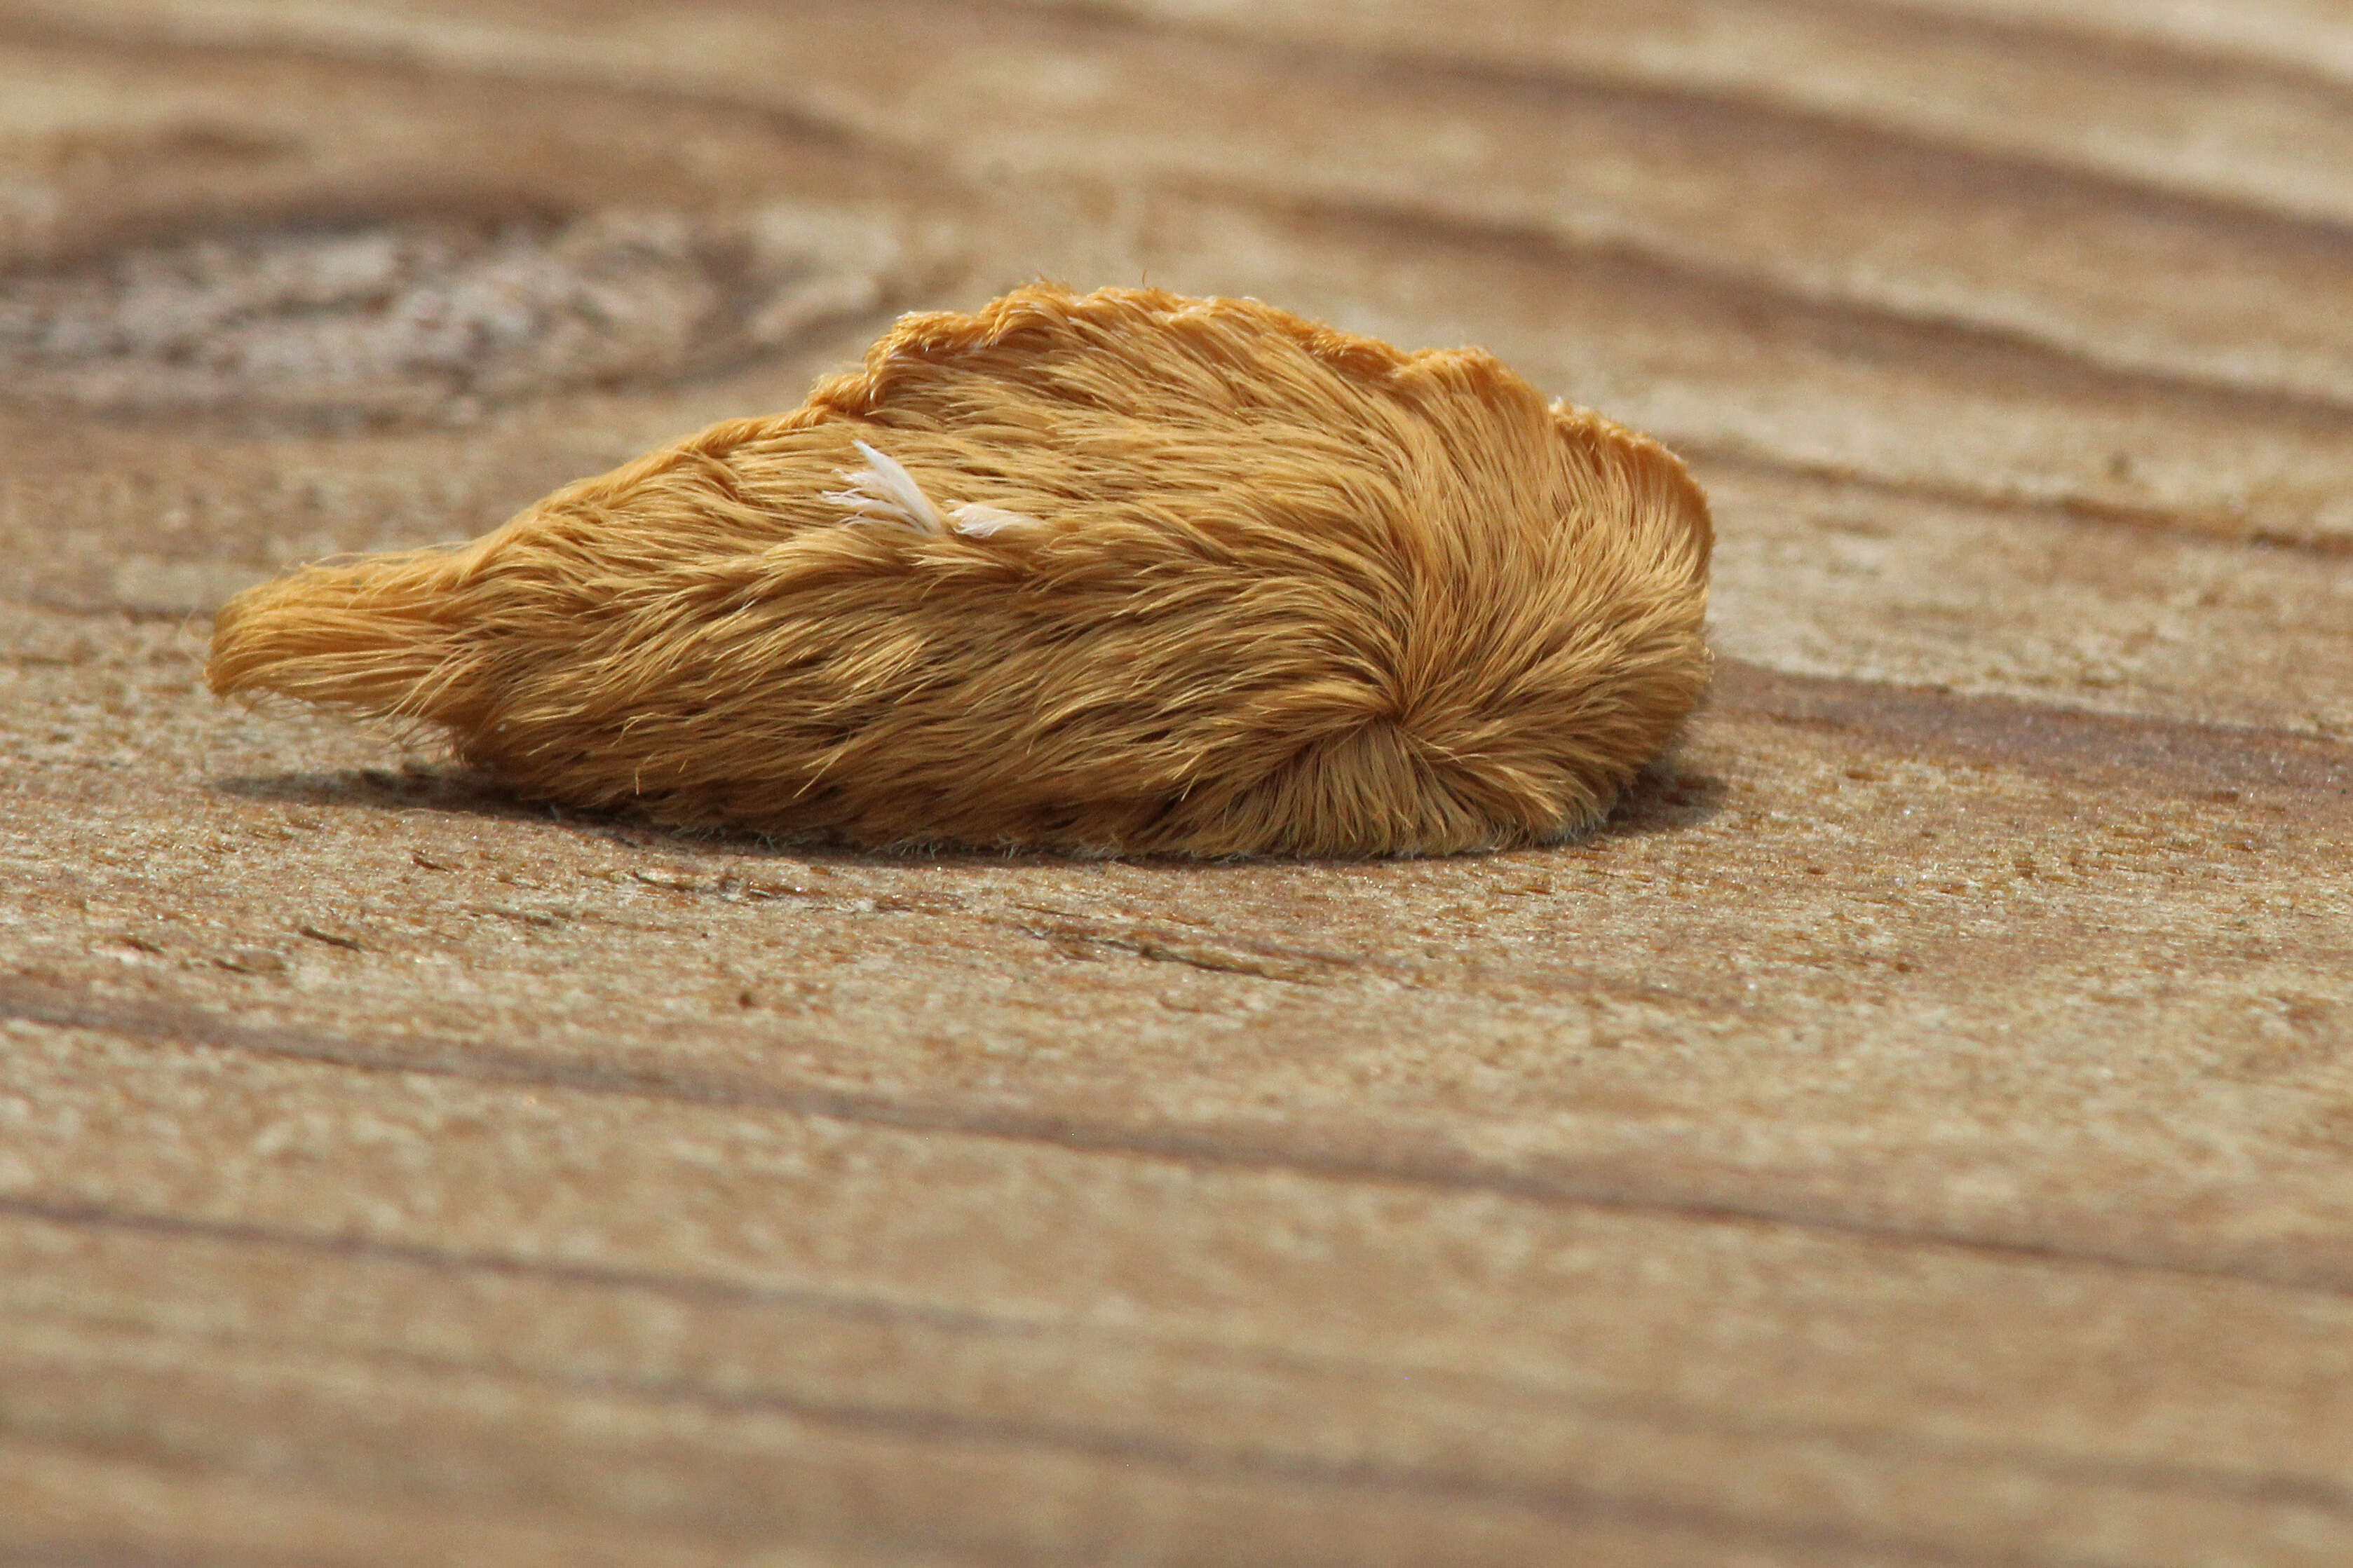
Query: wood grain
point(1919, 1130)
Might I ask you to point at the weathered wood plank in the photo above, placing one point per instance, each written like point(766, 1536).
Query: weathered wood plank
point(1314, 1335)
point(1915, 1130)
point(2144, 94)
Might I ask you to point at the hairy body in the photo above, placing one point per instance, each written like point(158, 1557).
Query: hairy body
point(1122, 572)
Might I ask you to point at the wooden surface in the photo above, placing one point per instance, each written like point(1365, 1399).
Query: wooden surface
point(1918, 1131)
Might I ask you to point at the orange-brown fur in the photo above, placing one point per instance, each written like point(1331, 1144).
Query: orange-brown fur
point(1271, 589)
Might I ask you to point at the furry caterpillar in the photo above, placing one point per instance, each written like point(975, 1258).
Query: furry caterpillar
point(1123, 572)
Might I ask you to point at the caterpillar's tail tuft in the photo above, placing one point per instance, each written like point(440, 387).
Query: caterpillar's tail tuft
point(376, 637)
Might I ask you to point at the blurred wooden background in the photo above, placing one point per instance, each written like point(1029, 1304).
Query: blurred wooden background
point(1919, 1131)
